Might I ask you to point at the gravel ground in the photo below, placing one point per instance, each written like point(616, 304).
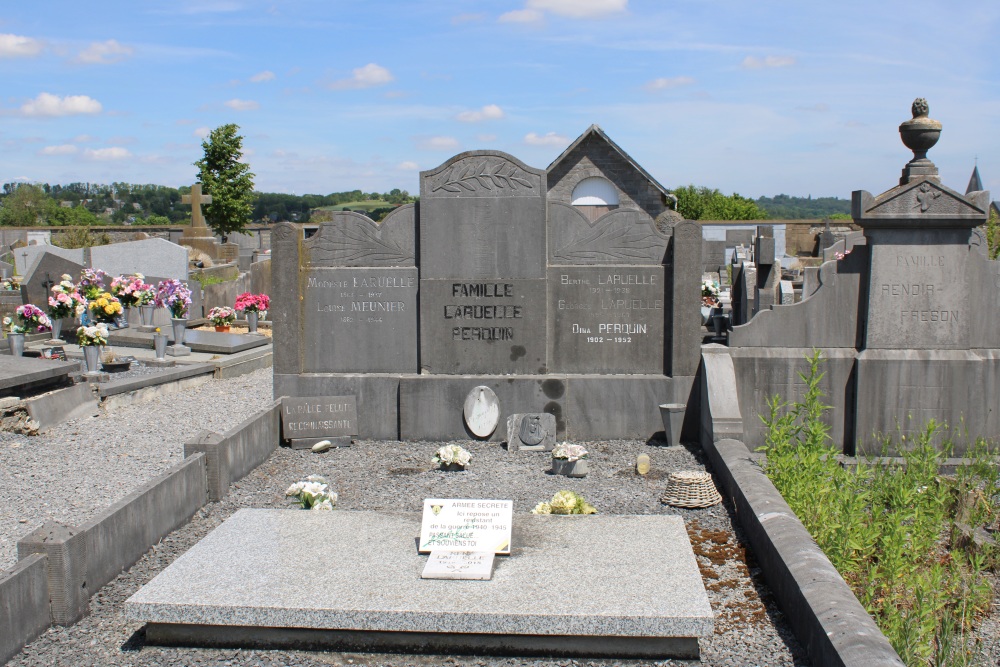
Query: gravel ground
point(81, 466)
point(368, 475)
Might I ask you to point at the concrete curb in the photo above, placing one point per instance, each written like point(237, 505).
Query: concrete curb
point(146, 381)
point(24, 604)
point(61, 405)
point(244, 362)
point(61, 566)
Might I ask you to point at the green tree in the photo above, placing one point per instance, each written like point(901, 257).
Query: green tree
point(25, 206)
point(993, 234)
point(227, 180)
point(701, 203)
point(76, 216)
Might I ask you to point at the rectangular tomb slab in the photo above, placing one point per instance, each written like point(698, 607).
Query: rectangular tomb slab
point(211, 342)
point(22, 373)
point(371, 595)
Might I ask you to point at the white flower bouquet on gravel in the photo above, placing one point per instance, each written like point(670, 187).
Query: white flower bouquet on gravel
point(313, 493)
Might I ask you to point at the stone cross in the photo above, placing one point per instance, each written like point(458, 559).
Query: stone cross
point(196, 199)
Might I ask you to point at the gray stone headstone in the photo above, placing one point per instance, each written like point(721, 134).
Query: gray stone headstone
point(738, 237)
point(25, 257)
point(535, 432)
point(319, 417)
point(150, 257)
point(787, 292)
point(713, 255)
point(47, 271)
point(6, 270)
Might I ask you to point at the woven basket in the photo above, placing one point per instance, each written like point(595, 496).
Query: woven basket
point(690, 489)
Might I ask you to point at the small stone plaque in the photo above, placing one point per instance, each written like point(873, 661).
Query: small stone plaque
point(319, 417)
point(482, 411)
point(531, 432)
point(466, 525)
point(475, 565)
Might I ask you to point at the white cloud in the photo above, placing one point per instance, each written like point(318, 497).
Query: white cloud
point(112, 153)
point(83, 139)
point(242, 105)
point(202, 132)
point(261, 77)
point(488, 112)
point(47, 104)
point(364, 77)
point(17, 46)
point(408, 166)
point(665, 83)
point(104, 53)
point(64, 149)
point(753, 62)
point(548, 139)
point(530, 16)
point(439, 144)
point(579, 9)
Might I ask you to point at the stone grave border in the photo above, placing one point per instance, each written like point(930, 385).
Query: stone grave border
point(821, 608)
point(61, 566)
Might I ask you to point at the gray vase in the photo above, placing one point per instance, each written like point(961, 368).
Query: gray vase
point(16, 341)
point(578, 468)
point(91, 356)
point(252, 317)
point(160, 345)
point(57, 325)
point(673, 419)
point(179, 325)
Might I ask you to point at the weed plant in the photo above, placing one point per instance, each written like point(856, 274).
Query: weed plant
point(893, 531)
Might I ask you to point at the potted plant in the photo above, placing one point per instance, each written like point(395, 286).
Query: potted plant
point(313, 493)
point(176, 297)
point(452, 457)
point(130, 290)
point(90, 338)
point(709, 299)
point(570, 460)
point(64, 302)
point(565, 503)
point(92, 282)
point(254, 306)
point(222, 317)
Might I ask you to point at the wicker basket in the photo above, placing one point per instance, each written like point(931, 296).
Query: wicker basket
point(690, 489)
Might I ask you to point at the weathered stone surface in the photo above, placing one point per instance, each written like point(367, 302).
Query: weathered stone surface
point(620, 237)
point(45, 272)
point(534, 432)
point(352, 239)
point(684, 278)
point(150, 257)
point(607, 319)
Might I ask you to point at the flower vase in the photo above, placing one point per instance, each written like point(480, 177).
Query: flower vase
point(91, 355)
point(179, 325)
point(160, 345)
point(146, 314)
point(57, 325)
point(449, 467)
point(222, 329)
point(122, 320)
point(578, 468)
point(16, 341)
point(672, 415)
point(252, 316)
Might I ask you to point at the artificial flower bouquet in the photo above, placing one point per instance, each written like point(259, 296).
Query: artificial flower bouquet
point(253, 303)
point(709, 293)
point(174, 296)
point(92, 283)
point(96, 334)
point(222, 316)
point(313, 493)
point(452, 455)
point(567, 452)
point(104, 307)
point(66, 300)
point(565, 502)
point(132, 291)
point(27, 319)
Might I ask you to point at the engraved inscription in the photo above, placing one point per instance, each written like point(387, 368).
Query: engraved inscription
point(485, 175)
point(481, 331)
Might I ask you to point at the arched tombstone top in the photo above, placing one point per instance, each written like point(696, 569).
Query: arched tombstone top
point(482, 174)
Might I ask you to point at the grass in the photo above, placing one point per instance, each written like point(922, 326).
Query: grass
point(896, 533)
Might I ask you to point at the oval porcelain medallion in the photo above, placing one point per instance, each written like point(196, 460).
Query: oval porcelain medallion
point(482, 411)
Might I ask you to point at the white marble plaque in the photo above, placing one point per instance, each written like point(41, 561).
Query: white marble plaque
point(475, 565)
point(482, 411)
point(466, 525)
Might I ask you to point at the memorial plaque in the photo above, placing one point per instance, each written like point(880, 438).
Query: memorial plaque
point(470, 565)
point(466, 525)
point(319, 417)
point(475, 326)
point(531, 432)
point(360, 320)
point(606, 319)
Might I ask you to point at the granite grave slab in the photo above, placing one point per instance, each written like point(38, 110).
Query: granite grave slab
point(212, 342)
point(373, 589)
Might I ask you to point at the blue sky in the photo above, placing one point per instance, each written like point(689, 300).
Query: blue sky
point(759, 98)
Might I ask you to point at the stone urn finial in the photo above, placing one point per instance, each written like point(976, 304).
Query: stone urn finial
point(919, 134)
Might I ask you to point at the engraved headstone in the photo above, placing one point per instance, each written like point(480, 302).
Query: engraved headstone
point(46, 272)
point(468, 565)
point(306, 421)
point(531, 432)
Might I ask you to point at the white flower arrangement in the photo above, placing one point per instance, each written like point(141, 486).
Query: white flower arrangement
point(568, 452)
point(452, 454)
point(709, 288)
point(313, 493)
point(96, 334)
point(565, 502)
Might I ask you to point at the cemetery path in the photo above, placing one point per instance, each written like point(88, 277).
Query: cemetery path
point(389, 476)
point(82, 466)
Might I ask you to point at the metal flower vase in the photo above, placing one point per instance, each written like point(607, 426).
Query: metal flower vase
point(16, 341)
point(673, 419)
point(146, 314)
point(91, 356)
point(179, 325)
point(252, 317)
point(160, 346)
point(57, 325)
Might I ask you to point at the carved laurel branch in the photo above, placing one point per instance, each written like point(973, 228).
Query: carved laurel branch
point(467, 176)
point(353, 244)
point(613, 243)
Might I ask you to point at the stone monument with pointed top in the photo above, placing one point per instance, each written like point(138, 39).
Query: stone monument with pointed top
point(198, 235)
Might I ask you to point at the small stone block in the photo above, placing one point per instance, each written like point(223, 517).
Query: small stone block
point(178, 350)
point(473, 565)
point(97, 376)
point(159, 363)
point(307, 443)
point(534, 432)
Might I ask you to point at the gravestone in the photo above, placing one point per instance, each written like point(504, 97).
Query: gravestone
point(25, 257)
point(45, 273)
point(713, 256)
point(549, 307)
point(531, 433)
point(6, 270)
point(197, 235)
point(738, 237)
point(150, 257)
point(306, 421)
